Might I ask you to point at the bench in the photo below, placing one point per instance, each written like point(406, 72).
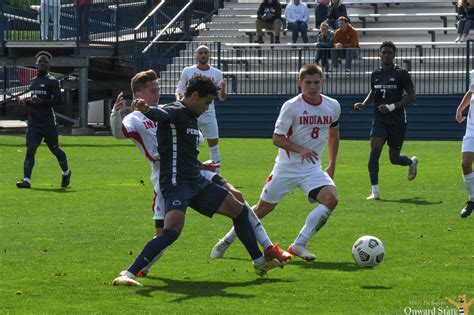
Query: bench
point(363, 17)
point(251, 33)
point(375, 3)
point(431, 30)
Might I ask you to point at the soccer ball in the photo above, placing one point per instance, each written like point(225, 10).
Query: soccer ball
point(368, 251)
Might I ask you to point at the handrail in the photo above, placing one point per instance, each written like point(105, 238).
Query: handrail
point(167, 26)
point(149, 15)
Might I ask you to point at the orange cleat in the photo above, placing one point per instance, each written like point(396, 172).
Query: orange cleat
point(275, 252)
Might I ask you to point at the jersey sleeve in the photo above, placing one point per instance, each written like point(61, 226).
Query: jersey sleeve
point(57, 97)
point(337, 115)
point(284, 120)
point(407, 82)
point(181, 87)
point(159, 115)
point(116, 125)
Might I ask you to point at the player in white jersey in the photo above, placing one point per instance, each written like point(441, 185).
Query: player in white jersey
point(306, 122)
point(207, 121)
point(467, 146)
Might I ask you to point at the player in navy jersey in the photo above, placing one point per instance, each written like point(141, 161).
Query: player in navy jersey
point(182, 183)
point(391, 90)
point(45, 95)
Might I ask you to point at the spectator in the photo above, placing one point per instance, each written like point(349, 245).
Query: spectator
point(321, 12)
point(82, 14)
point(465, 19)
point(269, 18)
point(324, 43)
point(336, 10)
point(50, 9)
point(297, 17)
point(345, 37)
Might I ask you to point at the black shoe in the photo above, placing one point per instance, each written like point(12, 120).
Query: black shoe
point(465, 212)
point(65, 180)
point(23, 184)
point(259, 40)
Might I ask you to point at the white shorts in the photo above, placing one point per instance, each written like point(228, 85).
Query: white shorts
point(207, 122)
point(158, 201)
point(467, 144)
point(279, 184)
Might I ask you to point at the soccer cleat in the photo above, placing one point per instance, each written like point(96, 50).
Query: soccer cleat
point(301, 251)
point(412, 168)
point(23, 184)
point(373, 197)
point(65, 180)
point(126, 280)
point(263, 268)
point(219, 249)
point(467, 210)
point(275, 252)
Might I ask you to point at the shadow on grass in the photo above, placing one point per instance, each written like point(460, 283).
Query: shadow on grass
point(192, 289)
point(416, 201)
point(341, 266)
point(56, 190)
point(375, 287)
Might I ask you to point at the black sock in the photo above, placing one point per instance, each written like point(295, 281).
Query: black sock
point(153, 248)
point(245, 233)
point(403, 160)
point(28, 164)
point(62, 159)
point(374, 165)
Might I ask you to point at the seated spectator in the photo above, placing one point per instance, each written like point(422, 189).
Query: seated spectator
point(324, 43)
point(321, 12)
point(336, 10)
point(297, 17)
point(50, 9)
point(269, 18)
point(465, 19)
point(345, 42)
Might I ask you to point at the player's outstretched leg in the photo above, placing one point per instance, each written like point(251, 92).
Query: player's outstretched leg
point(126, 279)
point(467, 210)
point(412, 169)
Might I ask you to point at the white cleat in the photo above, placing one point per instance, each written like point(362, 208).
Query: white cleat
point(373, 197)
point(219, 249)
point(412, 168)
point(126, 280)
point(301, 251)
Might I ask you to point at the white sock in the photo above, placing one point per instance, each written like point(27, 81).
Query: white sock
point(146, 269)
point(215, 155)
point(469, 183)
point(260, 233)
point(314, 222)
point(27, 180)
point(375, 189)
point(260, 260)
point(66, 172)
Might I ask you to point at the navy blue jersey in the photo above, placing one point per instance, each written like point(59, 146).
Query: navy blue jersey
point(178, 141)
point(46, 87)
point(389, 87)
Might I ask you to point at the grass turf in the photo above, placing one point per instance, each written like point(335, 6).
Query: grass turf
point(61, 250)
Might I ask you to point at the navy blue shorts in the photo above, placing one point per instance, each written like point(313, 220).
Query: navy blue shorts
point(393, 133)
point(202, 195)
point(35, 134)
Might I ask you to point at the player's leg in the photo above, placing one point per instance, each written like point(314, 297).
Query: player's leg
point(318, 187)
point(378, 135)
point(395, 138)
point(210, 131)
point(51, 139)
point(33, 140)
point(468, 175)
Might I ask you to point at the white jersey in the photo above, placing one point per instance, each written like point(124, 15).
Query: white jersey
point(307, 125)
point(189, 72)
point(470, 120)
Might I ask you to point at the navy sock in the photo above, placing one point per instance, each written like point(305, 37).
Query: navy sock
point(403, 160)
point(28, 164)
point(153, 248)
point(62, 159)
point(245, 233)
point(374, 165)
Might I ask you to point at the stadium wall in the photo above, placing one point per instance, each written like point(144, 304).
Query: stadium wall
point(430, 118)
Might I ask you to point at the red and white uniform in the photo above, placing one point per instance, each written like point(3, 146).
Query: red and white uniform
point(306, 124)
point(207, 121)
point(468, 140)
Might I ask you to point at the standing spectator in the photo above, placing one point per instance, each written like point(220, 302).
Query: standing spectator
point(297, 17)
point(346, 39)
point(465, 19)
point(45, 94)
point(321, 12)
point(391, 90)
point(336, 10)
point(50, 9)
point(467, 147)
point(324, 45)
point(82, 13)
point(268, 17)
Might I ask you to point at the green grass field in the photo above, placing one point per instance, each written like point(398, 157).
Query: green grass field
point(61, 250)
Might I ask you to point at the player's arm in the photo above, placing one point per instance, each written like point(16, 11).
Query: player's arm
point(155, 114)
point(222, 91)
point(116, 118)
point(284, 143)
point(333, 148)
point(466, 100)
point(181, 87)
point(369, 99)
point(57, 99)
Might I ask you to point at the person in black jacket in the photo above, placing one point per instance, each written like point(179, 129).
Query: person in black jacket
point(269, 18)
point(45, 95)
point(336, 10)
